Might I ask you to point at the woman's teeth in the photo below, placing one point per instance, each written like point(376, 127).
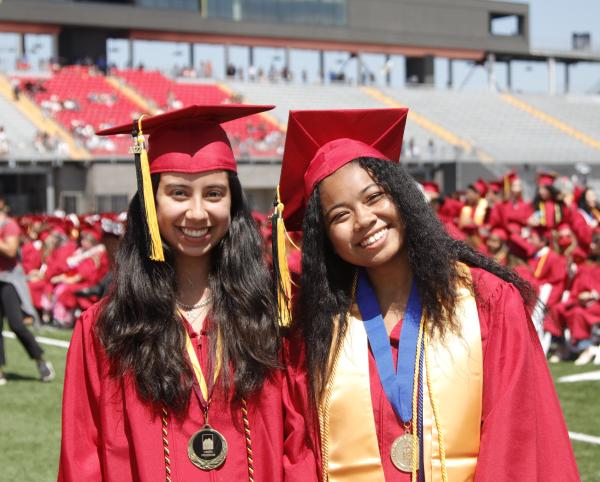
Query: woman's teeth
point(194, 233)
point(374, 237)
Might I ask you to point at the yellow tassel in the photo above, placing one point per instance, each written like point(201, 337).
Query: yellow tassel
point(156, 249)
point(283, 277)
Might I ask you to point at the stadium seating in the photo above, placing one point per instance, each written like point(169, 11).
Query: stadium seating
point(83, 101)
point(290, 96)
point(496, 126)
point(20, 133)
point(255, 137)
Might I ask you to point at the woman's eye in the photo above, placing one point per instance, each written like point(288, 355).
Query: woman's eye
point(375, 197)
point(338, 217)
point(214, 194)
point(178, 193)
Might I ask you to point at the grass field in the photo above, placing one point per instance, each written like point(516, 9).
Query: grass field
point(30, 416)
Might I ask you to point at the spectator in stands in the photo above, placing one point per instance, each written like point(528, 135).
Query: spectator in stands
point(15, 300)
point(4, 145)
point(16, 89)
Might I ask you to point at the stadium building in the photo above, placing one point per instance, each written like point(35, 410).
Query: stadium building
point(59, 84)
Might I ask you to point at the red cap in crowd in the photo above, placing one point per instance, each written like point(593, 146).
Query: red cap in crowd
point(480, 186)
point(430, 186)
point(546, 178)
point(319, 142)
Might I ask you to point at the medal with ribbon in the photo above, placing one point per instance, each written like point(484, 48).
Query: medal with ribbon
point(401, 384)
point(207, 448)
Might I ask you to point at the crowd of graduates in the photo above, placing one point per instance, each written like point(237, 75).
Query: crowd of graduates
point(66, 261)
point(551, 240)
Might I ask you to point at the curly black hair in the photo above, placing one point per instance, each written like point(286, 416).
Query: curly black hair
point(326, 284)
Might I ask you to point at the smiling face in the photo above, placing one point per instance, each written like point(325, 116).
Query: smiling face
point(193, 211)
point(361, 219)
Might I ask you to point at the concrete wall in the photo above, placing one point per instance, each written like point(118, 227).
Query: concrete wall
point(446, 24)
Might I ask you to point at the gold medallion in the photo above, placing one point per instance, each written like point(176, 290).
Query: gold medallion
point(207, 448)
point(402, 452)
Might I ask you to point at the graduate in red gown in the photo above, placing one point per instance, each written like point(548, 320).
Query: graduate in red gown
point(513, 212)
point(422, 357)
point(176, 374)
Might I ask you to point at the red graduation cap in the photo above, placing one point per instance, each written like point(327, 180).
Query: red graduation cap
point(480, 186)
point(546, 178)
point(190, 139)
point(431, 187)
point(500, 233)
point(183, 140)
point(496, 186)
point(319, 142)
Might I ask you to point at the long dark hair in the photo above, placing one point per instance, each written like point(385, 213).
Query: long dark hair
point(326, 284)
point(144, 337)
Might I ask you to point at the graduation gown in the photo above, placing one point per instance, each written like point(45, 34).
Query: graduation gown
point(523, 433)
point(109, 434)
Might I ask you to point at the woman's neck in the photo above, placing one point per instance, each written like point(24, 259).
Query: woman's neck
point(392, 283)
point(191, 274)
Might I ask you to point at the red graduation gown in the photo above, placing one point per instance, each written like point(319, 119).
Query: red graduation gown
point(523, 435)
point(109, 434)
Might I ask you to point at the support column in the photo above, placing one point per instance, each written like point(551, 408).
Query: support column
point(226, 63)
point(54, 47)
point(130, 54)
point(490, 64)
point(450, 82)
point(322, 66)
point(567, 78)
point(50, 191)
point(251, 56)
point(388, 70)
point(509, 75)
point(21, 46)
point(359, 80)
point(552, 76)
point(191, 59)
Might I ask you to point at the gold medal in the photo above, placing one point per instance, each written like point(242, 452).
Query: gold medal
point(207, 448)
point(402, 452)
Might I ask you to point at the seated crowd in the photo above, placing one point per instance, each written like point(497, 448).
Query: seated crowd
point(552, 241)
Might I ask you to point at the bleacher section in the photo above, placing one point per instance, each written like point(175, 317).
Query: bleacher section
point(507, 133)
point(287, 97)
point(580, 112)
point(265, 137)
point(20, 133)
point(83, 101)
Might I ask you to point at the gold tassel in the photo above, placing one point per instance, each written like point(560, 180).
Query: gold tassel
point(283, 278)
point(156, 249)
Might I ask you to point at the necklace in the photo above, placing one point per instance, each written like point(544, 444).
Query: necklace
point(197, 306)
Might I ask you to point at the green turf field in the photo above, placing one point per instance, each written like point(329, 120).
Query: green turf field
point(30, 412)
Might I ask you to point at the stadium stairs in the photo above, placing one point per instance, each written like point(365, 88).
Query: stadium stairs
point(30, 110)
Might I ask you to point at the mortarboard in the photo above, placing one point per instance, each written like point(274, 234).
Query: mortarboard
point(495, 186)
point(499, 233)
point(432, 187)
point(318, 143)
point(546, 178)
point(480, 187)
point(184, 140)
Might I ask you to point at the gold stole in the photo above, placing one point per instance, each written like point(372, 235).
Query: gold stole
point(350, 451)
point(476, 216)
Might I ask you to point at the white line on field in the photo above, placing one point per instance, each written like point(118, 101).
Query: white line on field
point(581, 437)
point(581, 377)
point(42, 339)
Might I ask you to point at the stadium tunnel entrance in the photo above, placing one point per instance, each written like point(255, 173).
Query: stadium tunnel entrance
point(25, 190)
